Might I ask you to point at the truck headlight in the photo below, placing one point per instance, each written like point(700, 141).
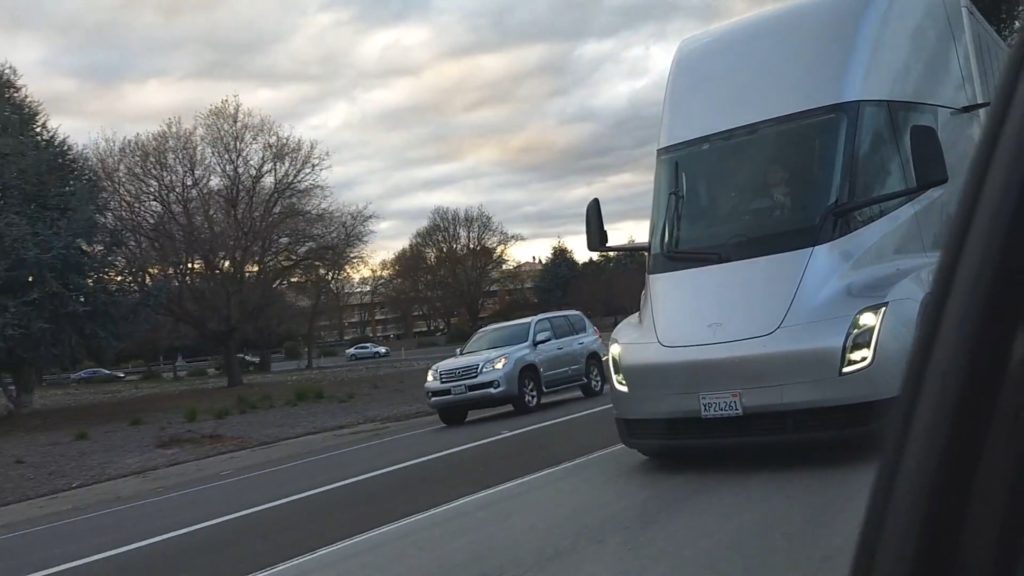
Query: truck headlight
point(496, 364)
point(861, 338)
point(431, 375)
point(615, 367)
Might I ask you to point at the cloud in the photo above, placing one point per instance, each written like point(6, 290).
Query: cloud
point(529, 107)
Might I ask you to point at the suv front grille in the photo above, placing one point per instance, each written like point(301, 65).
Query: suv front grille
point(459, 374)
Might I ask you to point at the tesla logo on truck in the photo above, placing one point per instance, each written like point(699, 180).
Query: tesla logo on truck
point(714, 326)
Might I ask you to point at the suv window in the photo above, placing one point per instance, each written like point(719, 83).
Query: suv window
point(579, 325)
point(542, 326)
point(562, 327)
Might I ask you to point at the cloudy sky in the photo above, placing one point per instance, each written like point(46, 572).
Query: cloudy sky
point(528, 107)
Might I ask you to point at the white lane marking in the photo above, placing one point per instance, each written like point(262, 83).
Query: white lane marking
point(219, 482)
point(306, 494)
point(421, 515)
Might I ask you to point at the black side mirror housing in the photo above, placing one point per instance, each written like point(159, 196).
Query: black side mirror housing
point(927, 157)
point(597, 236)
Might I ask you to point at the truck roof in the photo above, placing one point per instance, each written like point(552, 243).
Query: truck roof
point(809, 54)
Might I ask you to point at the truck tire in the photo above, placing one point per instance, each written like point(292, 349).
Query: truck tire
point(453, 416)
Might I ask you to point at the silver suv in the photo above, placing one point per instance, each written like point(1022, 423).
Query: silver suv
point(517, 362)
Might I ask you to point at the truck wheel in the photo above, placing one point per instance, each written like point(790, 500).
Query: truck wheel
point(453, 416)
point(594, 386)
point(528, 396)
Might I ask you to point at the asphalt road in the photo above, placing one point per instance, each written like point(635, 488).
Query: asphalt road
point(548, 493)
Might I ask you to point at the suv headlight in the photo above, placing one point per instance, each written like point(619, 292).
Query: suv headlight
point(615, 368)
point(431, 375)
point(861, 338)
point(496, 364)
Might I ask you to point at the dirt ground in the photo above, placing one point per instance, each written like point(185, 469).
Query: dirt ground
point(86, 434)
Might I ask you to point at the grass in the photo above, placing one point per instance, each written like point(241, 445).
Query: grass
point(82, 435)
point(347, 397)
point(222, 413)
point(266, 401)
point(292, 403)
point(245, 403)
point(330, 352)
point(136, 421)
point(191, 414)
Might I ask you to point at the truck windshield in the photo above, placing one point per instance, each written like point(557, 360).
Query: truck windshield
point(498, 337)
point(748, 192)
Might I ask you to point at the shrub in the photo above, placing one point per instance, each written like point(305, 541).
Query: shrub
point(246, 403)
point(150, 374)
point(266, 401)
point(197, 372)
point(222, 413)
point(307, 393)
point(292, 350)
point(191, 414)
point(82, 435)
point(137, 421)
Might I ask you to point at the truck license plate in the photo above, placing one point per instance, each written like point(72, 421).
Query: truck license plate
point(721, 405)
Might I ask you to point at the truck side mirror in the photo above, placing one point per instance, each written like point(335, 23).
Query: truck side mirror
point(927, 157)
point(597, 236)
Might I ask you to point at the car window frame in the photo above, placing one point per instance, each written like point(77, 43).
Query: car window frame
point(579, 331)
point(935, 503)
point(554, 331)
point(537, 330)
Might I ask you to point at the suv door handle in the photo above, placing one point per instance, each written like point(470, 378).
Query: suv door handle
point(561, 348)
point(580, 343)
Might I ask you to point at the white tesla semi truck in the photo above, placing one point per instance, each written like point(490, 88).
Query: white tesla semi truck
point(809, 161)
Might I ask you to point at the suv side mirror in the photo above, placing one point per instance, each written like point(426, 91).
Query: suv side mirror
point(458, 351)
point(927, 157)
point(541, 338)
point(597, 236)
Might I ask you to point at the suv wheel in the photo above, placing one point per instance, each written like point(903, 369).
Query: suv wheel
point(453, 416)
point(594, 386)
point(528, 395)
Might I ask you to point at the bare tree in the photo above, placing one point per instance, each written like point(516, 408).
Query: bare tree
point(215, 215)
point(465, 249)
point(369, 282)
point(343, 234)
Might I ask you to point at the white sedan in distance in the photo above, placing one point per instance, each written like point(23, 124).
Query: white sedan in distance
point(368, 350)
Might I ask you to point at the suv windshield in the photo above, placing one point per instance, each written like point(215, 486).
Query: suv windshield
point(748, 192)
point(498, 337)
